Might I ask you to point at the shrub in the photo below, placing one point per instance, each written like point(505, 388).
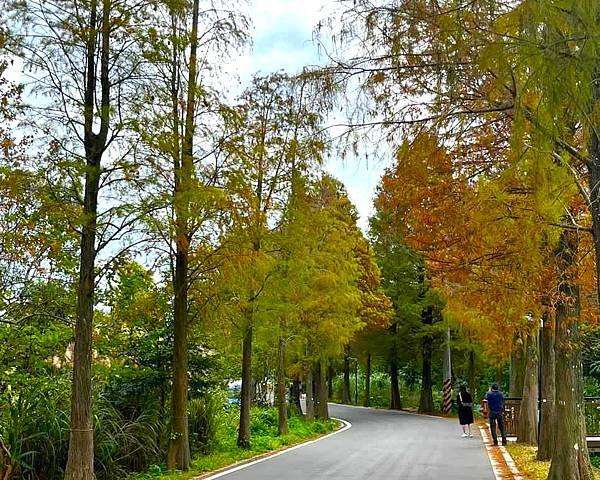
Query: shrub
point(34, 433)
point(264, 421)
point(204, 416)
point(34, 428)
point(124, 445)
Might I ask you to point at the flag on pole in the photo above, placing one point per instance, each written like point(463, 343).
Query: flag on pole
point(447, 390)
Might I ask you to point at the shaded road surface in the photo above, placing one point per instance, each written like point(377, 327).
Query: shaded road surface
point(381, 445)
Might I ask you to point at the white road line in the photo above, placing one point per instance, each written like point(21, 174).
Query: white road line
point(511, 464)
point(346, 426)
point(488, 449)
point(507, 458)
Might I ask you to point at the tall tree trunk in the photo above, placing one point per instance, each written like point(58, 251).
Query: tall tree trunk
point(546, 440)
point(367, 399)
point(571, 457)
point(246, 391)
point(330, 375)
point(178, 454)
point(395, 399)
point(593, 167)
point(310, 399)
point(346, 386)
point(517, 368)
point(80, 465)
point(281, 390)
point(528, 414)
point(321, 407)
point(426, 400)
point(80, 461)
point(472, 375)
point(295, 404)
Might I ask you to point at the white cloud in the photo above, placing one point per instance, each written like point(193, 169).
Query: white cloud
point(283, 40)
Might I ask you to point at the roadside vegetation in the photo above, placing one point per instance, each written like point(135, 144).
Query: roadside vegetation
point(533, 469)
point(177, 265)
point(224, 450)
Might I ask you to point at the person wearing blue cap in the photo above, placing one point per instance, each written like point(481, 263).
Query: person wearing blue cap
point(495, 401)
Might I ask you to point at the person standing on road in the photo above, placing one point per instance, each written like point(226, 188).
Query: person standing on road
point(465, 411)
point(495, 401)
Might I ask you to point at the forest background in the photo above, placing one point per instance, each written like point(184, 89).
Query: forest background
point(165, 233)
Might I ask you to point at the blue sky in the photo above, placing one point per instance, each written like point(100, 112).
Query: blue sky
point(282, 40)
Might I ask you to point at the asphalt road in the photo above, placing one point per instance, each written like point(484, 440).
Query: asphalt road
point(381, 445)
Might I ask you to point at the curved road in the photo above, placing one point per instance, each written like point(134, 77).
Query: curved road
point(381, 445)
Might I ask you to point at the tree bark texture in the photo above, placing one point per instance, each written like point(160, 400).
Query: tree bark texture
point(178, 454)
point(346, 385)
point(546, 440)
point(321, 407)
point(472, 374)
point(295, 389)
point(281, 390)
point(517, 368)
point(593, 168)
point(367, 399)
point(395, 399)
point(426, 401)
point(571, 457)
point(310, 399)
point(528, 414)
point(80, 461)
point(246, 390)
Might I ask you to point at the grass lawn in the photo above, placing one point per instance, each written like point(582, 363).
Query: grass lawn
point(524, 457)
point(264, 439)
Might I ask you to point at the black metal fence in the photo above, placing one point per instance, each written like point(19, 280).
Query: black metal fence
point(512, 408)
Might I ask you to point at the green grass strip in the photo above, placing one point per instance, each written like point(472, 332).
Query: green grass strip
point(228, 453)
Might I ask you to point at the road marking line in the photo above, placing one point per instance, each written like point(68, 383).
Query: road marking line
point(488, 449)
point(496, 466)
point(346, 426)
point(511, 464)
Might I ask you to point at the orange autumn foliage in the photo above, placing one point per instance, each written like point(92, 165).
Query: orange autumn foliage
point(489, 243)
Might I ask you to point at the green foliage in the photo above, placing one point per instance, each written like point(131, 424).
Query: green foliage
point(34, 430)
point(36, 331)
point(205, 415)
point(226, 452)
point(34, 426)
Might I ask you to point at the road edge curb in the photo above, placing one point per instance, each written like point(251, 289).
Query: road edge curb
point(508, 460)
point(269, 455)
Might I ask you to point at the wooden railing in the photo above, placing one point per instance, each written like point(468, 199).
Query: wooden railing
point(512, 407)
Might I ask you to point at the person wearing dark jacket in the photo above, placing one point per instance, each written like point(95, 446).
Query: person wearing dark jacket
point(495, 401)
point(465, 411)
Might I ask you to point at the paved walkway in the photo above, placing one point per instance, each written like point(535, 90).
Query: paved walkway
point(381, 445)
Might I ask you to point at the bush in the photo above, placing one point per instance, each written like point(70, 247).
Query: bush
point(264, 422)
point(124, 445)
point(35, 426)
point(205, 415)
